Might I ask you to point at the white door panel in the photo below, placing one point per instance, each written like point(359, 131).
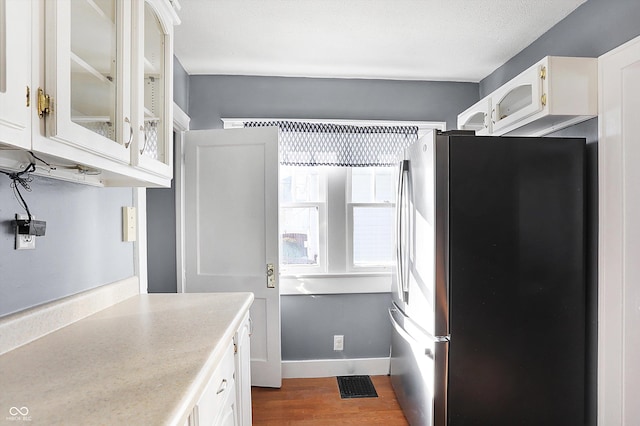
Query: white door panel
point(231, 228)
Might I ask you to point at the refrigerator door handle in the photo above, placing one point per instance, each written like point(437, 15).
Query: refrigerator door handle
point(406, 336)
point(399, 229)
point(400, 235)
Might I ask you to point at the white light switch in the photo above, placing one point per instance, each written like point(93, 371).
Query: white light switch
point(129, 224)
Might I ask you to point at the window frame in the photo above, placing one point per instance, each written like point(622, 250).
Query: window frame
point(321, 205)
point(350, 205)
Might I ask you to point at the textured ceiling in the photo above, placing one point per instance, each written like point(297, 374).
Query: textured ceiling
point(453, 40)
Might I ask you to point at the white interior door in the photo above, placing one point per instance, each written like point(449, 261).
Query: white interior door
point(619, 237)
point(231, 230)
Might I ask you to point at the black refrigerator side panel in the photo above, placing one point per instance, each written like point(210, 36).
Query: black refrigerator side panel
point(517, 281)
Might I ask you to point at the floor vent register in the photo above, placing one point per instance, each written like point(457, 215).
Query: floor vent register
point(356, 387)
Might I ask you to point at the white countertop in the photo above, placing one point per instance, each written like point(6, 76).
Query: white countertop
point(143, 361)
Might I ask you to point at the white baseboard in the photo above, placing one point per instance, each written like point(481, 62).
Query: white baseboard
point(335, 367)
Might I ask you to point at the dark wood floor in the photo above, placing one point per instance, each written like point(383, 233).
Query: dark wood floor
point(318, 402)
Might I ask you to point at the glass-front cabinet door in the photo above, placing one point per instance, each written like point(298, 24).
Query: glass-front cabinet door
point(15, 73)
point(151, 71)
point(87, 75)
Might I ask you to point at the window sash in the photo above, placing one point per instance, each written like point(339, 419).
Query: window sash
point(351, 227)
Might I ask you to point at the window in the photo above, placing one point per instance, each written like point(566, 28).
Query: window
point(370, 217)
point(357, 235)
point(302, 214)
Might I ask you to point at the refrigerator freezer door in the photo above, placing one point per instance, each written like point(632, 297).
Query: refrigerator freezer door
point(412, 369)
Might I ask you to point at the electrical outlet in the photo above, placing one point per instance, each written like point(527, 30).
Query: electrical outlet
point(24, 242)
point(338, 342)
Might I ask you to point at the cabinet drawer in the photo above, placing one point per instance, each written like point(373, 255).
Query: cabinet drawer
point(215, 396)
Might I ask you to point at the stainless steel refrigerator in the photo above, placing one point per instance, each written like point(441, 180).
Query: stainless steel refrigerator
point(488, 290)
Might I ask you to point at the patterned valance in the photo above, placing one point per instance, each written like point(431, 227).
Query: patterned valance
point(322, 144)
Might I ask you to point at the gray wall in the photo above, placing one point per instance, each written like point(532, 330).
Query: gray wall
point(309, 322)
point(82, 248)
point(318, 318)
point(180, 85)
point(161, 218)
point(161, 240)
point(213, 97)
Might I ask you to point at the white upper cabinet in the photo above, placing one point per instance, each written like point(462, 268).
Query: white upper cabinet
point(518, 99)
point(152, 61)
point(15, 73)
point(554, 93)
point(87, 71)
point(99, 75)
point(477, 118)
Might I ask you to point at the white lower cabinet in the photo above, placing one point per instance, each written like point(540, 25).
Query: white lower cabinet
point(226, 399)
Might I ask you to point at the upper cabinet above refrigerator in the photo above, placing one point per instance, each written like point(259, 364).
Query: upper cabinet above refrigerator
point(99, 89)
point(477, 118)
point(554, 93)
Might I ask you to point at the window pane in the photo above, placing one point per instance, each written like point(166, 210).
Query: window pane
point(372, 236)
point(361, 185)
point(299, 184)
point(385, 187)
point(299, 227)
point(372, 185)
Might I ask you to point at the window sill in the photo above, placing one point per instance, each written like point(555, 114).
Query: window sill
point(309, 284)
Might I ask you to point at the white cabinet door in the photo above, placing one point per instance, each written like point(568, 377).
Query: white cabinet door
point(242, 343)
point(477, 118)
point(88, 77)
point(217, 404)
point(152, 90)
point(15, 73)
point(554, 93)
point(229, 413)
point(231, 230)
point(518, 99)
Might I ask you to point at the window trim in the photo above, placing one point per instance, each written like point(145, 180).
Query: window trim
point(423, 126)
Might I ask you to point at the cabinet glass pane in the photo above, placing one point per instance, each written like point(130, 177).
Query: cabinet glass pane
point(93, 65)
point(516, 100)
point(154, 65)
